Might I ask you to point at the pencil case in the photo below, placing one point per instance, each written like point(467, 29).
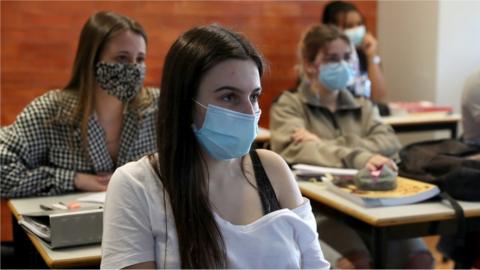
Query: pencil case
point(381, 180)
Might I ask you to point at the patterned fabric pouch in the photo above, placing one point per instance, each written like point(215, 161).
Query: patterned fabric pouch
point(382, 179)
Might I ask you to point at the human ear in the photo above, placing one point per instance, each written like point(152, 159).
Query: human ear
point(309, 69)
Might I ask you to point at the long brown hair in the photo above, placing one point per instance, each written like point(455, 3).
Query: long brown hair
point(316, 38)
point(96, 33)
point(182, 169)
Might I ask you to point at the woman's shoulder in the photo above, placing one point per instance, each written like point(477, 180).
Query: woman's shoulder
point(281, 178)
point(274, 164)
point(291, 96)
point(136, 175)
point(271, 159)
point(48, 105)
point(287, 103)
point(139, 171)
point(52, 98)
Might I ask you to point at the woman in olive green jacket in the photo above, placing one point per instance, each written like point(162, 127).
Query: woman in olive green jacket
point(321, 123)
point(304, 130)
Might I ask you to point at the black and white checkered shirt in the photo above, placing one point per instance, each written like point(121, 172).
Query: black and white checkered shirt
point(39, 156)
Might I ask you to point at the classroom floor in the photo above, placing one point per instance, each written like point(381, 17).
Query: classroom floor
point(431, 242)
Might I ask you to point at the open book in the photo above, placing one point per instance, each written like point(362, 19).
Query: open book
point(408, 191)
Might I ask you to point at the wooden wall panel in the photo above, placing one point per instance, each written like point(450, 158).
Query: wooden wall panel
point(39, 39)
point(7, 230)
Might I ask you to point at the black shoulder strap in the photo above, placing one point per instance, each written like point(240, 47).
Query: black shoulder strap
point(461, 222)
point(265, 189)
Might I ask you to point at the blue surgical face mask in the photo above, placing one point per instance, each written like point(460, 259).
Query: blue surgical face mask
point(356, 34)
point(227, 134)
point(336, 76)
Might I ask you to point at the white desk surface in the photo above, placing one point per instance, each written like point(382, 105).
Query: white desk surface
point(422, 118)
point(59, 258)
point(263, 135)
point(386, 216)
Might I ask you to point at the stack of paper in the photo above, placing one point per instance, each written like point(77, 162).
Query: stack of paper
point(98, 197)
point(311, 170)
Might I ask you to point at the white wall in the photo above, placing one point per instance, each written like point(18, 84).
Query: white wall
point(458, 51)
point(428, 48)
point(407, 34)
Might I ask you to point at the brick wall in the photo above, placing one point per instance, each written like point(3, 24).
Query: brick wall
point(39, 39)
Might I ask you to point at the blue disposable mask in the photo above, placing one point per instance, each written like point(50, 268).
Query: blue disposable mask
point(356, 34)
point(227, 134)
point(336, 76)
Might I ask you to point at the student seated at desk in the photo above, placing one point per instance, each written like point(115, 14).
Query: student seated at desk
point(205, 200)
point(369, 80)
point(321, 123)
point(74, 138)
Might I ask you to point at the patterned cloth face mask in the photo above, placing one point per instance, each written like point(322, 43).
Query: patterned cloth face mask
point(122, 81)
point(227, 134)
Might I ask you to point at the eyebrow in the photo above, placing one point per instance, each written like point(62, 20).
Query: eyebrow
point(235, 89)
point(127, 52)
point(330, 55)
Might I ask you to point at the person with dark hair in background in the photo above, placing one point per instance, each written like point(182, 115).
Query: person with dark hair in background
point(205, 200)
point(369, 81)
point(74, 138)
point(322, 123)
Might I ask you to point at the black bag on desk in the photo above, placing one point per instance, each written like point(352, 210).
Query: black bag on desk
point(445, 163)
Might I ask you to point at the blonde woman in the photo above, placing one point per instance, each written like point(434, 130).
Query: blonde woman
point(322, 123)
point(74, 138)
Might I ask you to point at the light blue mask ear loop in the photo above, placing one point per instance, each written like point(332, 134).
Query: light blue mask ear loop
point(203, 106)
point(228, 111)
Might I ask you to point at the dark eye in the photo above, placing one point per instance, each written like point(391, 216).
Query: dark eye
point(140, 60)
point(122, 59)
point(332, 59)
point(230, 97)
point(255, 96)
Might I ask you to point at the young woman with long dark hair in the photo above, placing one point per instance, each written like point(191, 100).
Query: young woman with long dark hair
point(205, 200)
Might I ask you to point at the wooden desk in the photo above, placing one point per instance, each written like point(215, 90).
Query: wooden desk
point(7, 232)
point(74, 257)
point(263, 135)
point(263, 138)
point(404, 123)
point(381, 224)
point(424, 122)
